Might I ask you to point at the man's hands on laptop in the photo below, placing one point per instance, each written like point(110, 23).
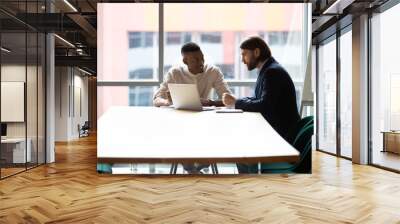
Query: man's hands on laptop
point(206, 102)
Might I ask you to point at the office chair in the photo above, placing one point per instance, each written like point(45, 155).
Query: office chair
point(303, 144)
point(296, 130)
point(294, 139)
point(104, 168)
point(84, 130)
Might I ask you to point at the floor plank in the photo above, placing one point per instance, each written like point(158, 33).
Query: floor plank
point(70, 191)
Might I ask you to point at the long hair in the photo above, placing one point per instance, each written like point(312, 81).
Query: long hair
point(254, 42)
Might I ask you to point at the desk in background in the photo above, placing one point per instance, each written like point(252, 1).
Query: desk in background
point(13, 150)
point(391, 141)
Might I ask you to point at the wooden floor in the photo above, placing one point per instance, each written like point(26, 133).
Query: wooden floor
point(10, 171)
point(70, 191)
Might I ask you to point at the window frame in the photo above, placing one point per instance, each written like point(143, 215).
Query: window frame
point(162, 43)
point(334, 37)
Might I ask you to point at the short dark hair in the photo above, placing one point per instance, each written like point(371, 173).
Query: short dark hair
point(190, 47)
point(254, 42)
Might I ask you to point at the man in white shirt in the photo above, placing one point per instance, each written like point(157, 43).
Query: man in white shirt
point(194, 71)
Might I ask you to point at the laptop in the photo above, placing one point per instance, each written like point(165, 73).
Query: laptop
point(186, 97)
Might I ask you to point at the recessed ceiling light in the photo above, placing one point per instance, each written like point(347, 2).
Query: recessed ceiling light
point(84, 71)
point(70, 5)
point(64, 40)
point(5, 50)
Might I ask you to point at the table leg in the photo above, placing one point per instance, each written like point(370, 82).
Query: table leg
point(214, 168)
point(171, 171)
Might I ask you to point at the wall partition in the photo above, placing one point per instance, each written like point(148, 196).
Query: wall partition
point(22, 87)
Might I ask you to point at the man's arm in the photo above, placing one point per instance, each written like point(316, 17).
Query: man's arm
point(220, 87)
point(162, 96)
point(267, 101)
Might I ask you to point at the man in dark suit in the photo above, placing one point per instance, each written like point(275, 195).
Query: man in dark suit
point(275, 95)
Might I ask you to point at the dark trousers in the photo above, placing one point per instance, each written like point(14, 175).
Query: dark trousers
point(247, 168)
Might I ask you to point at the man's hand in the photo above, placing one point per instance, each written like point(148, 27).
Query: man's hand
point(207, 102)
point(228, 100)
point(158, 102)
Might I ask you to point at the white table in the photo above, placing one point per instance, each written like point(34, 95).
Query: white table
point(165, 135)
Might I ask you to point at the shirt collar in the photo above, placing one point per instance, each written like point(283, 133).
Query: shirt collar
point(186, 70)
point(262, 65)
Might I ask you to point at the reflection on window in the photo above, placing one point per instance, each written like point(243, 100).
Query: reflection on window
point(167, 68)
point(142, 60)
point(243, 91)
point(148, 39)
point(174, 38)
point(211, 37)
point(142, 73)
point(140, 39)
point(178, 38)
point(141, 95)
point(227, 70)
point(238, 91)
point(277, 38)
point(327, 97)
point(134, 39)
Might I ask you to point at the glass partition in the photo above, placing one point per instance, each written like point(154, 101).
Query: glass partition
point(22, 88)
point(385, 89)
point(327, 96)
point(15, 151)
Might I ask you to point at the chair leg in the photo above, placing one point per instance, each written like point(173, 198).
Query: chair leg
point(214, 168)
point(172, 170)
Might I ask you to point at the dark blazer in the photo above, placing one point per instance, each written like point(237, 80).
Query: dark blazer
point(275, 98)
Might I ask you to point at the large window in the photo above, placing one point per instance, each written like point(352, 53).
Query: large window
point(385, 88)
point(128, 55)
point(327, 96)
point(334, 63)
point(129, 51)
point(346, 93)
point(141, 39)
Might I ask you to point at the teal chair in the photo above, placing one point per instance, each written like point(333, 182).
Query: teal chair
point(297, 142)
point(104, 168)
point(303, 144)
point(304, 122)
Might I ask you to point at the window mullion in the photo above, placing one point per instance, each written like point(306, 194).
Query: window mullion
point(160, 43)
